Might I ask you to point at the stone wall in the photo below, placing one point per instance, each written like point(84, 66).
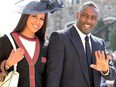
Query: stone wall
point(59, 19)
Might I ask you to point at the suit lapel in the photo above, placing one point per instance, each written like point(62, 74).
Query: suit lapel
point(94, 48)
point(93, 44)
point(80, 51)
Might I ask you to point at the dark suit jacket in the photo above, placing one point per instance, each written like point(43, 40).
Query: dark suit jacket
point(67, 64)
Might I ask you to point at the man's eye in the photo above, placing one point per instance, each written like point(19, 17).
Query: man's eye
point(84, 15)
point(94, 18)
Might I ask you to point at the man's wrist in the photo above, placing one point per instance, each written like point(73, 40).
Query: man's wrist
point(106, 73)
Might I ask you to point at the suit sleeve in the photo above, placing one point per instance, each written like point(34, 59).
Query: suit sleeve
point(112, 69)
point(55, 60)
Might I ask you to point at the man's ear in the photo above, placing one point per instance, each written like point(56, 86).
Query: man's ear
point(77, 13)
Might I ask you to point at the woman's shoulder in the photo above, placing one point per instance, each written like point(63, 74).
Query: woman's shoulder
point(3, 38)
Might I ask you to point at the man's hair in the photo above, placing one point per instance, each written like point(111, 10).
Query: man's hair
point(89, 3)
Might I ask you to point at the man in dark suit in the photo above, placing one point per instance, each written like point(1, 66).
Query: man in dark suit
point(68, 62)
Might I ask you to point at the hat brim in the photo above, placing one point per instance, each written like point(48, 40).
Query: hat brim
point(38, 12)
point(35, 7)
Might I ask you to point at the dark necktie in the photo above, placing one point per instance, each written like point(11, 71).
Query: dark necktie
point(89, 59)
point(88, 51)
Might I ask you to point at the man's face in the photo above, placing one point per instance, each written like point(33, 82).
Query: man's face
point(87, 19)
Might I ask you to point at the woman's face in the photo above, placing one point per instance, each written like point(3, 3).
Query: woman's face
point(34, 23)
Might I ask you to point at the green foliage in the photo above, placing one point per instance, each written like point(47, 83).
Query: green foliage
point(100, 24)
point(97, 28)
point(112, 39)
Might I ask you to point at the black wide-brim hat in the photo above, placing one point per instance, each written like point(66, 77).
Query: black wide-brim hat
point(37, 6)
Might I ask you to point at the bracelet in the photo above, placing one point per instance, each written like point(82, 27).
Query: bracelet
point(6, 66)
point(5, 73)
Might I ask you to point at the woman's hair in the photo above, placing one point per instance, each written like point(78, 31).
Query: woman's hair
point(22, 23)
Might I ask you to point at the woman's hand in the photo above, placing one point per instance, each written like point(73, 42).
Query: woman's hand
point(15, 57)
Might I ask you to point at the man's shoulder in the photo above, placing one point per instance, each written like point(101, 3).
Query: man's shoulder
point(64, 31)
point(95, 37)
